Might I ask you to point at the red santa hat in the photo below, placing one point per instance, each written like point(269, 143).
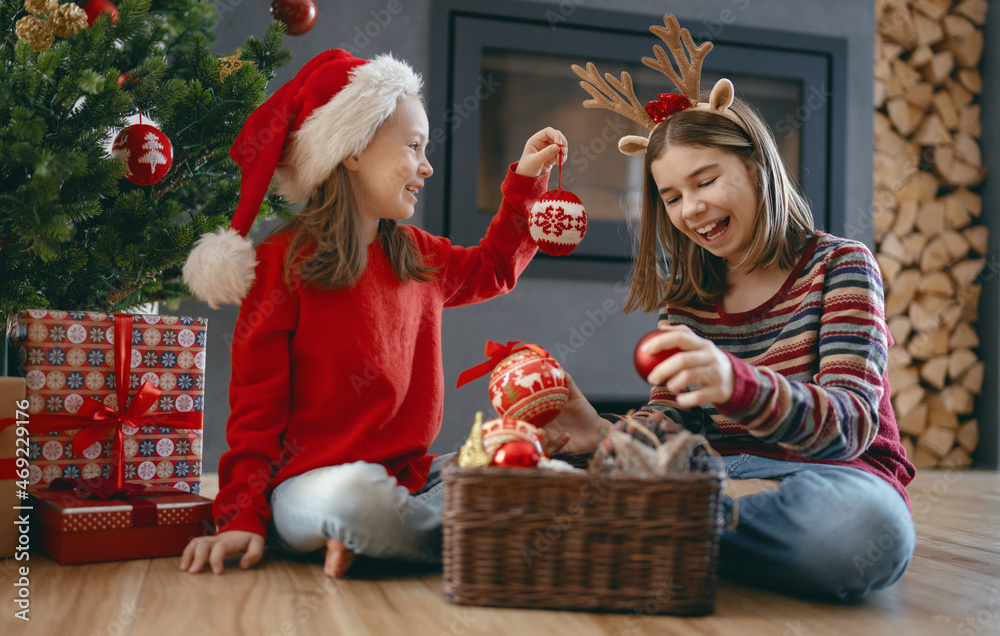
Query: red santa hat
point(328, 112)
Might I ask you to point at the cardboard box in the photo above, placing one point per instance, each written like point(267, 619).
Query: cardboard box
point(11, 392)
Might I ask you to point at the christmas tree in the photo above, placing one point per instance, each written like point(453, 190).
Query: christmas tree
point(74, 232)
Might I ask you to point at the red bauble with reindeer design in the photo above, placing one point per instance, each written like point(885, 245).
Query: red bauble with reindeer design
point(558, 222)
point(530, 386)
point(146, 153)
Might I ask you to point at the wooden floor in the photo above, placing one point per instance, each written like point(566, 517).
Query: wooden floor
point(952, 587)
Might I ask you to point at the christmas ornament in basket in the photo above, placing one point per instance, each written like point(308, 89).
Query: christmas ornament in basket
point(526, 383)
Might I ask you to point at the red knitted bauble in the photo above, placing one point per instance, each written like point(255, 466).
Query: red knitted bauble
point(558, 222)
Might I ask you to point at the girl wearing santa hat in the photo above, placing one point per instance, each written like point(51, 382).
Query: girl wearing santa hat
point(337, 381)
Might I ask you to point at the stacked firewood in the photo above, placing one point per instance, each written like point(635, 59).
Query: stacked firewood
point(930, 244)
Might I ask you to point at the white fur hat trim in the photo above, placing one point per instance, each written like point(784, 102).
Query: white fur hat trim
point(221, 267)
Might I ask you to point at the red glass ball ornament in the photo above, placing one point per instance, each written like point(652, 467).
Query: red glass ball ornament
point(501, 430)
point(95, 8)
point(516, 454)
point(558, 222)
point(146, 153)
point(299, 16)
point(529, 386)
point(646, 362)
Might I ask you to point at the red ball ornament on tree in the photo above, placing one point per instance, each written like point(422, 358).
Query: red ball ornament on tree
point(558, 222)
point(95, 8)
point(146, 153)
point(646, 362)
point(299, 16)
point(529, 386)
point(516, 454)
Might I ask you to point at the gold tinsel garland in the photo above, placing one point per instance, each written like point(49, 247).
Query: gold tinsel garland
point(63, 21)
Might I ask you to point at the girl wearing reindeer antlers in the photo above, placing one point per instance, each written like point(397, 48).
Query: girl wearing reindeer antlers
point(782, 337)
point(337, 382)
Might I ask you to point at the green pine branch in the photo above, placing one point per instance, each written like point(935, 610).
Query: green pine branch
point(74, 233)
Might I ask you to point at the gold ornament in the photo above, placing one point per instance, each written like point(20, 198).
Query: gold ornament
point(69, 19)
point(36, 31)
point(473, 453)
point(231, 64)
point(40, 6)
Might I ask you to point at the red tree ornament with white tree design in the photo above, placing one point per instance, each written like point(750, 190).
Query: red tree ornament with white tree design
point(146, 153)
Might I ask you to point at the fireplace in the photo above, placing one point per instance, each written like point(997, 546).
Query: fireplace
point(501, 70)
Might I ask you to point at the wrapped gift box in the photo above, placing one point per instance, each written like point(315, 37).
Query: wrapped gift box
point(69, 361)
point(71, 529)
point(11, 392)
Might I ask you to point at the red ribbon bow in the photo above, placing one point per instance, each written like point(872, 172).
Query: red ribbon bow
point(496, 352)
point(666, 105)
point(96, 419)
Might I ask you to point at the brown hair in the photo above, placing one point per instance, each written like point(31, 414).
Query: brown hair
point(328, 249)
point(783, 219)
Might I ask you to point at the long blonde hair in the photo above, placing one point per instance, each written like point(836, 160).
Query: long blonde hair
point(329, 249)
point(783, 220)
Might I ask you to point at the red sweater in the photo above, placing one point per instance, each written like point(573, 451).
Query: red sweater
point(327, 377)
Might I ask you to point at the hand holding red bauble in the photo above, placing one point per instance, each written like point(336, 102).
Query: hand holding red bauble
point(299, 16)
point(558, 222)
point(94, 8)
point(646, 362)
point(516, 454)
point(529, 386)
point(146, 152)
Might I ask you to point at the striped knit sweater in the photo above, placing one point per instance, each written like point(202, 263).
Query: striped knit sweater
point(810, 382)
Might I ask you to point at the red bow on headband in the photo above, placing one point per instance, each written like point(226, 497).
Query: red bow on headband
point(666, 105)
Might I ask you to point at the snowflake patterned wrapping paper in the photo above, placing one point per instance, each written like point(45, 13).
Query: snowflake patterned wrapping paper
point(69, 364)
point(71, 529)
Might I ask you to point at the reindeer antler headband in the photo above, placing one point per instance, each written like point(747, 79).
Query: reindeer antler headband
point(618, 95)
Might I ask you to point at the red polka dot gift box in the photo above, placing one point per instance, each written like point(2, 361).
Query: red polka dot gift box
point(117, 396)
point(88, 521)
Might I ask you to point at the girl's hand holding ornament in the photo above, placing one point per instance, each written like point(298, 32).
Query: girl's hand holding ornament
point(543, 151)
point(700, 374)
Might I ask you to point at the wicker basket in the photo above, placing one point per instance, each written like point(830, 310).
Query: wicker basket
point(526, 538)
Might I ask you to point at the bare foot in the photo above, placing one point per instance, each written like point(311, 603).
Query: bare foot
point(737, 488)
point(338, 559)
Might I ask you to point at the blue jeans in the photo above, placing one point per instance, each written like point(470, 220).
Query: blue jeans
point(829, 531)
point(364, 507)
